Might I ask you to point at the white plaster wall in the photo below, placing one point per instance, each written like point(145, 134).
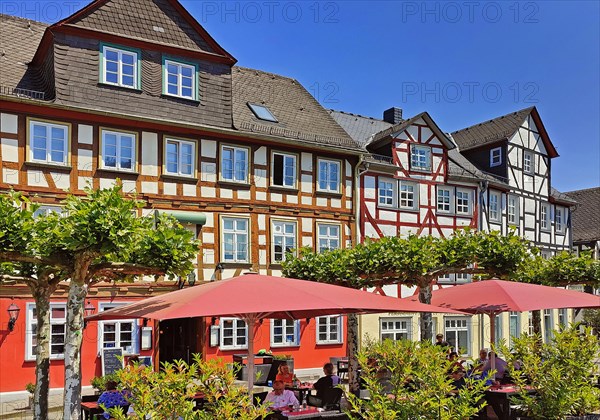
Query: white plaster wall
point(149, 154)
point(9, 123)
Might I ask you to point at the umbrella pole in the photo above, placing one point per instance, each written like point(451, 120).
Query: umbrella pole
point(251, 320)
point(493, 341)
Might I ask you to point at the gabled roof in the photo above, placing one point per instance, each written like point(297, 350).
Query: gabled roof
point(394, 130)
point(501, 128)
point(360, 128)
point(299, 115)
point(586, 215)
point(561, 198)
point(19, 39)
point(162, 22)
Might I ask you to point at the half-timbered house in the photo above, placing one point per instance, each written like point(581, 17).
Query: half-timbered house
point(136, 92)
point(586, 220)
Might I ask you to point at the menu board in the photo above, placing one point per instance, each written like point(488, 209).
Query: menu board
point(112, 360)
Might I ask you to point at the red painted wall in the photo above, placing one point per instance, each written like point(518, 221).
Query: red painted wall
point(16, 372)
point(308, 355)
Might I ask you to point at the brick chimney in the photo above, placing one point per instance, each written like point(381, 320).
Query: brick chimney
point(393, 115)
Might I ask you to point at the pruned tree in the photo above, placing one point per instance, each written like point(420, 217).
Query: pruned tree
point(98, 237)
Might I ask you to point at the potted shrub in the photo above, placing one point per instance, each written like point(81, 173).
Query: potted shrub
point(410, 380)
point(31, 389)
point(559, 371)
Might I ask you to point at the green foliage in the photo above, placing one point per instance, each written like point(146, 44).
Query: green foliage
point(414, 260)
point(410, 381)
point(559, 371)
point(591, 318)
point(562, 269)
point(16, 222)
point(30, 387)
point(99, 382)
point(168, 394)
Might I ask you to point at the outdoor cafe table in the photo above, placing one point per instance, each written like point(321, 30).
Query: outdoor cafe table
point(313, 413)
point(302, 390)
point(499, 398)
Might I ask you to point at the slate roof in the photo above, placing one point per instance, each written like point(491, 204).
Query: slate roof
point(459, 167)
point(557, 196)
point(152, 20)
point(299, 114)
point(360, 128)
point(19, 39)
point(586, 215)
point(490, 131)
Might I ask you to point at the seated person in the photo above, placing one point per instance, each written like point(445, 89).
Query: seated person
point(112, 398)
point(284, 375)
point(280, 398)
point(328, 381)
point(500, 366)
point(458, 380)
point(456, 362)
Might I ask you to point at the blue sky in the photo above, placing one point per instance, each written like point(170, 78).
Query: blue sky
point(464, 62)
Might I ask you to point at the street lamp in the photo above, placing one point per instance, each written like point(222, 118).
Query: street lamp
point(13, 314)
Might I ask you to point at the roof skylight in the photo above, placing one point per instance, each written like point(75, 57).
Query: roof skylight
point(262, 112)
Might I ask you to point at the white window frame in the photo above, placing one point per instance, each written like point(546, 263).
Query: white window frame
point(395, 330)
point(544, 216)
point(563, 317)
point(120, 64)
point(548, 326)
point(329, 164)
point(275, 223)
point(495, 157)
point(49, 126)
point(559, 219)
point(119, 138)
point(179, 162)
point(402, 191)
point(495, 206)
point(135, 344)
point(516, 317)
point(286, 183)
point(235, 232)
point(285, 325)
point(234, 162)
point(180, 66)
point(46, 209)
point(32, 320)
point(234, 336)
point(420, 158)
point(449, 204)
point(328, 237)
point(456, 329)
point(329, 321)
point(498, 332)
point(512, 202)
point(383, 200)
point(528, 162)
point(460, 191)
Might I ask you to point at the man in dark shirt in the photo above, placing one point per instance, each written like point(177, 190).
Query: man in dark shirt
point(439, 341)
point(328, 381)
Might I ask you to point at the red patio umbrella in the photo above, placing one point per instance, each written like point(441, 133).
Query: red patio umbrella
point(493, 297)
point(254, 297)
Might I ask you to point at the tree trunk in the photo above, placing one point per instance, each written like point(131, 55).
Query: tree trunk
point(41, 293)
point(537, 322)
point(72, 394)
point(352, 351)
point(426, 317)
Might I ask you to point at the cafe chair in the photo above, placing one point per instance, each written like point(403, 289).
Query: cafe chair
point(90, 398)
point(329, 400)
point(342, 369)
point(258, 398)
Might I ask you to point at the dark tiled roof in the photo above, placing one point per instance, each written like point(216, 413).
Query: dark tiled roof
point(19, 39)
point(459, 167)
point(586, 215)
point(299, 114)
point(391, 131)
point(490, 131)
point(558, 197)
point(358, 127)
point(76, 66)
point(152, 20)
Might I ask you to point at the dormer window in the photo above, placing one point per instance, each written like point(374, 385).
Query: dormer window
point(262, 112)
point(179, 79)
point(496, 157)
point(120, 67)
